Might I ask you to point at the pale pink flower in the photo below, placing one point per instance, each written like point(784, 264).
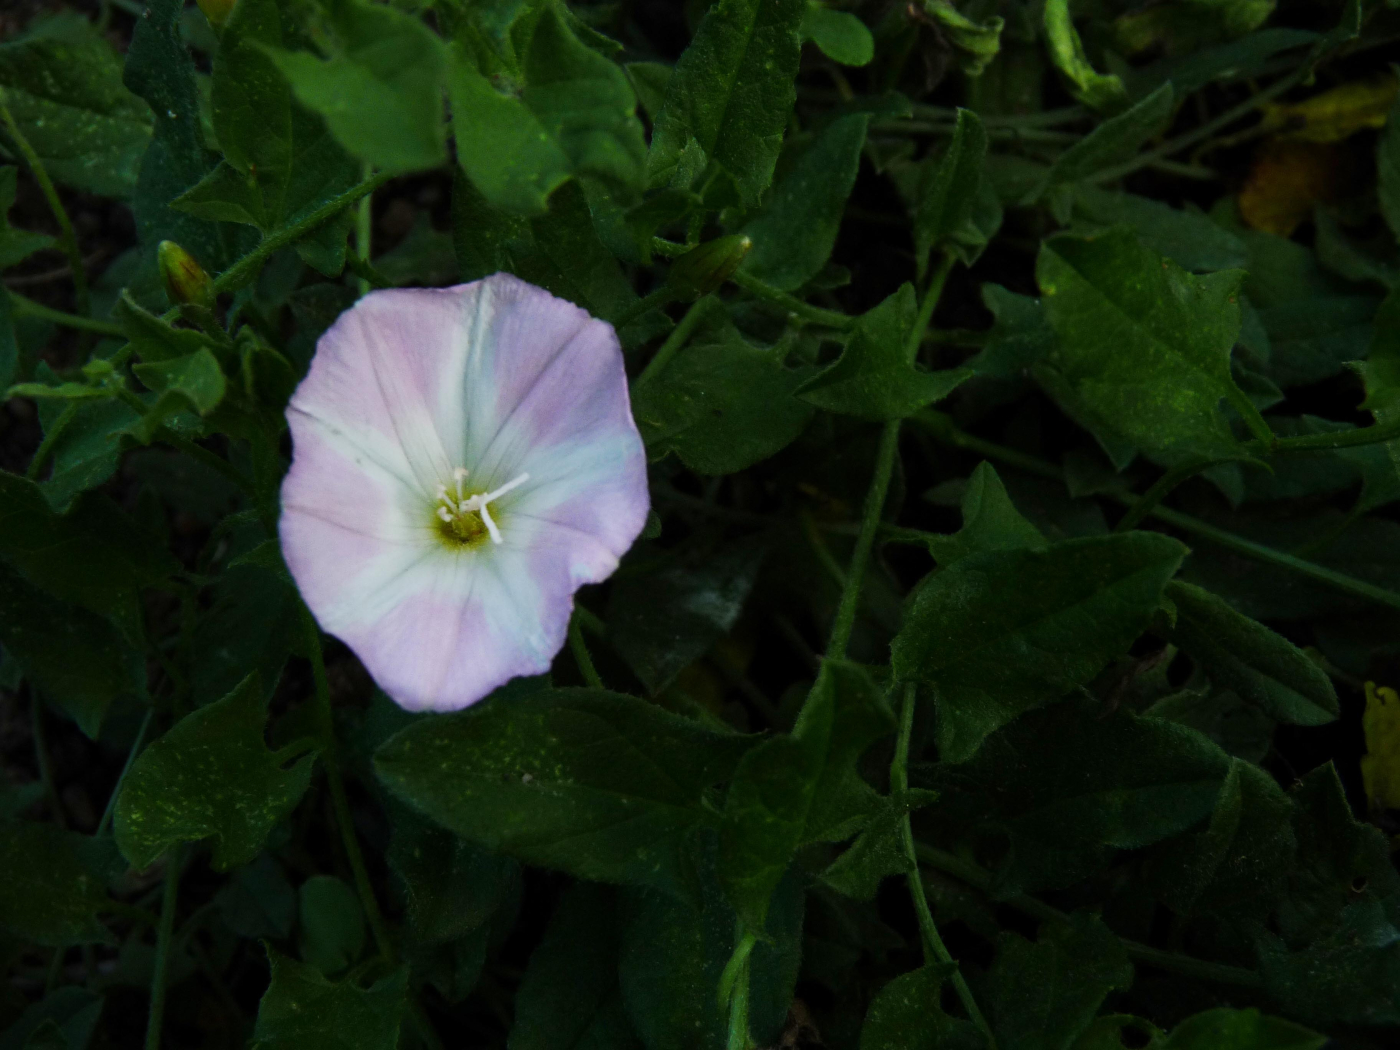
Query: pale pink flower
point(463, 460)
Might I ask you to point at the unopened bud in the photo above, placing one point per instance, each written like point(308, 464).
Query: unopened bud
point(702, 270)
point(185, 280)
point(217, 11)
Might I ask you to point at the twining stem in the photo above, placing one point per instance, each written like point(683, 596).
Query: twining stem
point(660, 297)
point(364, 230)
point(668, 349)
point(24, 305)
point(164, 935)
point(67, 239)
point(136, 745)
point(941, 427)
point(41, 756)
point(794, 306)
point(339, 801)
point(974, 875)
point(1161, 488)
point(582, 657)
point(1371, 435)
point(246, 268)
point(738, 1031)
point(934, 948)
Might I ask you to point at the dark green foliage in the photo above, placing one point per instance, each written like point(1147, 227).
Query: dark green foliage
point(1020, 392)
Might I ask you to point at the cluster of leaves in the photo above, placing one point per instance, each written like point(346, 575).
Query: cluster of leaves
point(869, 774)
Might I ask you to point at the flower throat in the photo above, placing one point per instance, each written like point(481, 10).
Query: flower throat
point(463, 519)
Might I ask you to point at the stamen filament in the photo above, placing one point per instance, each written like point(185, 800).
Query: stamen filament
point(450, 510)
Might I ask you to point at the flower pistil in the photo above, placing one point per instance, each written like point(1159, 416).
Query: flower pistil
point(465, 516)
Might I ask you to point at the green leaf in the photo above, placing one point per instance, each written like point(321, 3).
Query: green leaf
point(195, 382)
point(587, 104)
point(991, 522)
point(70, 1013)
point(211, 776)
point(1381, 371)
point(332, 927)
point(794, 233)
point(664, 617)
point(948, 190)
point(1237, 864)
point(673, 953)
point(731, 93)
point(1019, 338)
point(1228, 1029)
point(301, 1010)
point(569, 997)
point(1067, 785)
point(94, 556)
point(160, 70)
point(1005, 631)
point(1244, 655)
point(257, 901)
point(799, 788)
point(63, 85)
point(1098, 92)
point(559, 251)
point(54, 885)
point(1349, 976)
point(878, 851)
point(841, 36)
point(873, 379)
point(601, 785)
point(74, 657)
point(975, 44)
point(380, 90)
point(17, 245)
point(907, 1015)
point(1116, 139)
point(722, 404)
point(1043, 993)
point(281, 162)
point(1144, 345)
point(1189, 239)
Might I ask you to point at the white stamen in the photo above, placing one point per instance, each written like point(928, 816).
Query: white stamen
point(449, 509)
point(490, 525)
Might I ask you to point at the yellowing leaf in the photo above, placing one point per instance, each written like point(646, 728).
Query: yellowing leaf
point(1380, 766)
point(1336, 114)
point(1286, 180)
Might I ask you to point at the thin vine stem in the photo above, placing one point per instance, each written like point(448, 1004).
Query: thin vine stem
point(794, 306)
point(582, 657)
point(341, 804)
point(651, 301)
point(1161, 488)
point(364, 231)
point(934, 948)
point(165, 933)
point(136, 745)
point(974, 875)
point(28, 307)
point(68, 240)
point(689, 321)
point(941, 428)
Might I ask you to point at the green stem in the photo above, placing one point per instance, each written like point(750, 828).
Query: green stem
point(364, 232)
point(974, 875)
point(246, 268)
point(1160, 489)
point(41, 756)
point(660, 297)
point(734, 987)
point(794, 306)
point(111, 810)
point(164, 936)
point(1371, 435)
point(369, 275)
point(579, 648)
point(41, 454)
point(330, 759)
point(677, 339)
point(934, 948)
point(25, 305)
point(932, 294)
point(942, 428)
point(67, 239)
point(865, 540)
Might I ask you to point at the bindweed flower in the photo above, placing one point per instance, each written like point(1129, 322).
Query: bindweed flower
point(463, 460)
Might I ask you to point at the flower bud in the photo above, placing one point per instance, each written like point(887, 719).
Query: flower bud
point(217, 11)
point(185, 280)
point(701, 270)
